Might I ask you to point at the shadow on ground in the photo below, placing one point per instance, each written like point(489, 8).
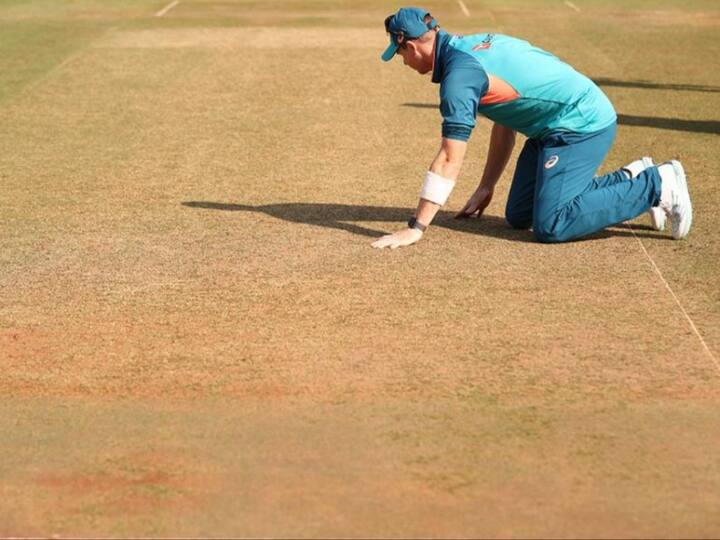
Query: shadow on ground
point(675, 124)
point(346, 217)
point(649, 85)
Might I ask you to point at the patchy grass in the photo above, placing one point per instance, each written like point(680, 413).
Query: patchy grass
point(198, 339)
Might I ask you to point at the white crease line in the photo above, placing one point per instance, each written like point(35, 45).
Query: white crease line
point(677, 301)
point(54, 71)
point(30, 87)
point(167, 8)
point(464, 8)
point(569, 4)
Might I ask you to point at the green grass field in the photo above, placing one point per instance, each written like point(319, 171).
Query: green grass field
point(197, 339)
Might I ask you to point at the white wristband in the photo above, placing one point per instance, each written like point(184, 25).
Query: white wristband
point(436, 188)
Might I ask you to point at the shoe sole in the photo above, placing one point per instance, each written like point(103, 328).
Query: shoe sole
point(682, 213)
point(657, 215)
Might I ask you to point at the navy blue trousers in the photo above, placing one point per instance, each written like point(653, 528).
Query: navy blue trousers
point(555, 190)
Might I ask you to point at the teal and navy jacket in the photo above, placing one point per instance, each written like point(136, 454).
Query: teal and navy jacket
point(514, 84)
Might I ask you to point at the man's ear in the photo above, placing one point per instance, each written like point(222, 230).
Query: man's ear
point(412, 46)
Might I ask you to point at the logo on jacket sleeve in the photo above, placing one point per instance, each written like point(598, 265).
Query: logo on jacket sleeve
point(485, 43)
point(550, 163)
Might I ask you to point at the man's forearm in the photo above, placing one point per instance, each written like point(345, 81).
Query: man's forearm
point(447, 164)
point(502, 142)
point(437, 186)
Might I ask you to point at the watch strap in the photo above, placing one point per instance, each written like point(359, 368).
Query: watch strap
point(415, 224)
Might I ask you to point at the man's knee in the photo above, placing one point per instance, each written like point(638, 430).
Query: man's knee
point(549, 233)
point(518, 220)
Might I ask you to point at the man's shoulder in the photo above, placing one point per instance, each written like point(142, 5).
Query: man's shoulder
point(472, 50)
point(463, 52)
point(480, 41)
point(458, 52)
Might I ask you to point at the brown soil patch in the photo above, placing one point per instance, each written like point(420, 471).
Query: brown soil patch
point(138, 483)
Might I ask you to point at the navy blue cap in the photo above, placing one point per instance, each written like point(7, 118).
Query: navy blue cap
point(408, 23)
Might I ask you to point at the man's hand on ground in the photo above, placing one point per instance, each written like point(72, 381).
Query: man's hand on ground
point(401, 238)
point(477, 203)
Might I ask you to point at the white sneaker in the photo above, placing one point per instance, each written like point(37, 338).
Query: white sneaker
point(675, 198)
point(639, 165)
point(657, 215)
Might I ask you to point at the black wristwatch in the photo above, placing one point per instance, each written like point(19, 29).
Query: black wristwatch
point(415, 224)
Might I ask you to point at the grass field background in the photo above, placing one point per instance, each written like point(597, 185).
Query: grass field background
point(197, 339)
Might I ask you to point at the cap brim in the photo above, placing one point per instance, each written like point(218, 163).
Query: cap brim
point(389, 52)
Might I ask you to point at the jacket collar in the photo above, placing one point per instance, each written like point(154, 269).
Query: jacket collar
point(441, 43)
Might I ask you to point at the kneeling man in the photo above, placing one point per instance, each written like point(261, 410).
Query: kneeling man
point(569, 123)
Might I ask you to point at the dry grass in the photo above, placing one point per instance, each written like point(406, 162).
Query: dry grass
point(198, 340)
